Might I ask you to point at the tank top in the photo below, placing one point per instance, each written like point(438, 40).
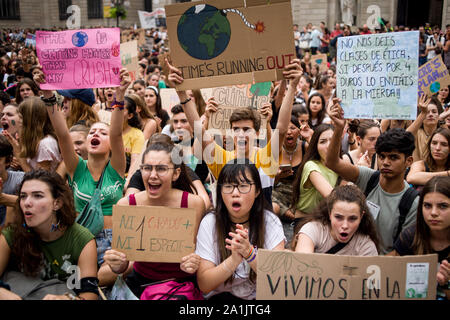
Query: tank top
point(160, 270)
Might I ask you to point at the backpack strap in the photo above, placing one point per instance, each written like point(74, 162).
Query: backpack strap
point(132, 200)
point(405, 205)
point(337, 247)
point(372, 183)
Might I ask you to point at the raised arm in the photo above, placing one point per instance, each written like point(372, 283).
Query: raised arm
point(118, 160)
point(344, 169)
point(59, 124)
point(423, 106)
point(175, 78)
point(292, 72)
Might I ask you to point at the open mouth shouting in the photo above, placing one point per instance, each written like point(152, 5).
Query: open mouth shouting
point(236, 205)
point(95, 142)
point(344, 237)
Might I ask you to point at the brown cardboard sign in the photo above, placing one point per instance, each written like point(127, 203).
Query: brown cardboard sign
point(433, 76)
point(237, 96)
point(133, 34)
point(153, 234)
point(129, 57)
point(321, 60)
point(285, 275)
point(218, 43)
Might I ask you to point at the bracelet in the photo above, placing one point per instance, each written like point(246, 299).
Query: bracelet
point(121, 107)
point(185, 101)
point(254, 255)
point(115, 102)
point(71, 296)
point(49, 102)
point(249, 254)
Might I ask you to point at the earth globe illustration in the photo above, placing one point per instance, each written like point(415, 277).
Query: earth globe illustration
point(79, 39)
point(203, 32)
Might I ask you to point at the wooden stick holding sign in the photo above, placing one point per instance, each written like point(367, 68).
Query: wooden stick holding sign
point(153, 234)
point(284, 275)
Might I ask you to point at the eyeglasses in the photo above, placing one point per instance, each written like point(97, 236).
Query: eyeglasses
point(160, 169)
point(228, 188)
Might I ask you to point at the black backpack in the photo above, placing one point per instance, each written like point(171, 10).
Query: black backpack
point(405, 202)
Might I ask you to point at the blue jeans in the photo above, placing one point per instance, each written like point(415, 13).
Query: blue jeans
point(103, 239)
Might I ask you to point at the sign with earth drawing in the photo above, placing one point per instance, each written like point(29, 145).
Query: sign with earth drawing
point(218, 43)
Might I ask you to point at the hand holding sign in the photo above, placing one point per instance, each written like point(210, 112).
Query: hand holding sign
point(336, 114)
point(125, 81)
point(190, 263)
point(211, 107)
point(293, 72)
point(175, 77)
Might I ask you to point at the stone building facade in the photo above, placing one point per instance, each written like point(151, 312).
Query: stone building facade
point(50, 13)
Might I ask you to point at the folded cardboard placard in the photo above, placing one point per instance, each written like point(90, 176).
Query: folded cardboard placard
point(153, 234)
point(284, 275)
point(218, 43)
point(321, 60)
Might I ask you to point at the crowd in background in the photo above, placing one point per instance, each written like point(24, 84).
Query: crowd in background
point(339, 186)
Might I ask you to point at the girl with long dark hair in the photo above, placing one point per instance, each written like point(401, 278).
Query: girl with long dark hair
point(229, 237)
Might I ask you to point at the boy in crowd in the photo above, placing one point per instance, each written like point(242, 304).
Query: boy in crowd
point(394, 149)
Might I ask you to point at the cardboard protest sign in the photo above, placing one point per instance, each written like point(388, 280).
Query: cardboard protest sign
point(153, 234)
point(238, 96)
point(433, 76)
point(321, 60)
point(218, 43)
point(87, 58)
point(130, 35)
point(169, 98)
point(150, 19)
point(285, 275)
point(377, 75)
point(129, 56)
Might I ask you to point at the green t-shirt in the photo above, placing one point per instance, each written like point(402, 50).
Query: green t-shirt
point(61, 254)
point(83, 186)
point(310, 197)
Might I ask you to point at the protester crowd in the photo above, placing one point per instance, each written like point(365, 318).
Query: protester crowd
point(335, 185)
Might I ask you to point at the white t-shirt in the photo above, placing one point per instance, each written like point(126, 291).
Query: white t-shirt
point(48, 150)
point(207, 249)
point(359, 245)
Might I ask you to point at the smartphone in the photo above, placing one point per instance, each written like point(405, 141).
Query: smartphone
point(285, 167)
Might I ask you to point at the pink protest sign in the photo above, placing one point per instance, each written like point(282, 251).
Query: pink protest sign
point(79, 59)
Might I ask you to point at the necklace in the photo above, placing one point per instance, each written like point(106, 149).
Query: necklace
point(235, 223)
point(290, 153)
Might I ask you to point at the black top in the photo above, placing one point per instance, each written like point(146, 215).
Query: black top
point(403, 245)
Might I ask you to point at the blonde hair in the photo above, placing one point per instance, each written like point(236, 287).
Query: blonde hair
point(79, 111)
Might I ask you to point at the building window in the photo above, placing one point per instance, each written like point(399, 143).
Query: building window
point(148, 5)
point(62, 5)
point(95, 9)
point(9, 9)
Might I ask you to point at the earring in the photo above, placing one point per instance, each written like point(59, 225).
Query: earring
point(26, 227)
point(54, 226)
